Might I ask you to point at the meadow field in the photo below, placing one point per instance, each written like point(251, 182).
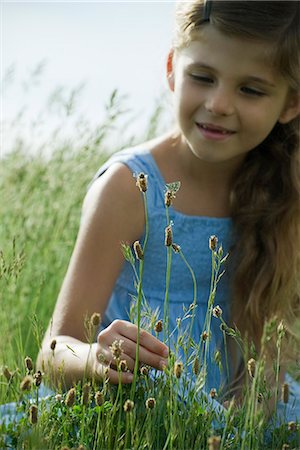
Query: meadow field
point(41, 196)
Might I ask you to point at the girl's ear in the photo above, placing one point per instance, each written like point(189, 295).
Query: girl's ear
point(170, 69)
point(291, 109)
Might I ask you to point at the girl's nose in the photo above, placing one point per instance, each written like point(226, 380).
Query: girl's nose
point(219, 102)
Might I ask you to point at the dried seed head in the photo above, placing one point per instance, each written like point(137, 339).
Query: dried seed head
point(169, 196)
point(123, 365)
point(217, 311)
point(6, 372)
point(213, 393)
point(53, 344)
point(168, 236)
point(81, 447)
point(70, 398)
point(214, 442)
point(86, 394)
point(128, 406)
point(281, 329)
point(26, 383)
point(28, 364)
point(176, 248)
point(116, 348)
point(285, 447)
point(37, 378)
point(158, 326)
point(204, 336)
point(251, 365)
point(99, 398)
point(139, 254)
point(150, 403)
point(196, 366)
point(95, 319)
point(33, 414)
point(285, 391)
point(141, 182)
point(260, 397)
point(178, 369)
point(65, 447)
point(292, 426)
point(58, 397)
point(144, 371)
point(213, 243)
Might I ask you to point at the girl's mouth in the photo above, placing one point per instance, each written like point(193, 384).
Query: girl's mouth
point(214, 132)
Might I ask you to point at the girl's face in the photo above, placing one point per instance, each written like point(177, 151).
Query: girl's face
point(227, 95)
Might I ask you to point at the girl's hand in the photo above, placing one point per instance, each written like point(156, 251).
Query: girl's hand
point(152, 351)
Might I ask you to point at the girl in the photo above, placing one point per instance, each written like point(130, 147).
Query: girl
point(233, 72)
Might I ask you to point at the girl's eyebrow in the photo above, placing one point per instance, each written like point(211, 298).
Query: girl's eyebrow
point(201, 65)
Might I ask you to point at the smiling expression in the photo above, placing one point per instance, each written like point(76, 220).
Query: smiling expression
point(227, 95)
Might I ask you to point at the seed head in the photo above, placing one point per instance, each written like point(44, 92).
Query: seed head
point(144, 371)
point(214, 442)
point(53, 344)
point(139, 254)
point(178, 369)
point(169, 196)
point(6, 372)
point(292, 426)
point(150, 403)
point(37, 378)
point(95, 319)
point(86, 394)
point(158, 326)
point(285, 447)
point(81, 447)
point(285, 391)
point(26, 383)
point(70, 398)
point(204, 336)
point(141, 182)
point(128, 406)
point(260, 397)
point(33, 414)
point(196, 366)
point(213, 243)
point(217, 311)
point(99, 398)
point(116, 348)
point(28, 364)
point(251, 367)
point(58, 397)
point(213, 393)
point(168, 236)
point(176, 248)
point(123, 365)
point(218, 357)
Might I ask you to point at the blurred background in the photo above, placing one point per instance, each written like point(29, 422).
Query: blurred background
point(62, 61)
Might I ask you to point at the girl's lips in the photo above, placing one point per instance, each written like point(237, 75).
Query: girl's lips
point(214, 132)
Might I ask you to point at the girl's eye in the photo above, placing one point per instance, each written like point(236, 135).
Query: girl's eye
point(251, 91)
point(201, 78)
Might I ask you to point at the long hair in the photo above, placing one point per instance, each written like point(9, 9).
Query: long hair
point(265, 196)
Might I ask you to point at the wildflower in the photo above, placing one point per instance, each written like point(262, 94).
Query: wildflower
point(37, 378)
point(99, 398)
point(292, 426)
point(128, 406)
point(150, 403)
point(116, 348)
point(53, 344)
point(158, 326)
point(141, 182)
point(217, 311)
point(178, 369)
point(26, 383)
point(196, 366)
point(144, 371)
point(95, 319)
point(6, 372)
point(70, 398)
point(28, 364)
point(176, 248)
point(251, 365)
point(285, 392)
point(214, 442)
point(123, 365)
point(33, 414)
point(213, 242)
point(86, 394)
point(213, 393)
point(139, 254)
point(168, 236)
point(204, 336)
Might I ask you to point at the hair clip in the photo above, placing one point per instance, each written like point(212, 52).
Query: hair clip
point(207, 10)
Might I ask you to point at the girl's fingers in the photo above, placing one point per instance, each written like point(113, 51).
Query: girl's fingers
point(145, 356)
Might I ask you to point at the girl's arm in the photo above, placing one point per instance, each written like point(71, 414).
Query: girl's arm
point(113, 213)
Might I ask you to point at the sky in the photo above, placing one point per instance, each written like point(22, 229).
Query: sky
point(49, 49)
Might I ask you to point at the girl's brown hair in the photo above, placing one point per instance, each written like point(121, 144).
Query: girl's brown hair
point(265, 197)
